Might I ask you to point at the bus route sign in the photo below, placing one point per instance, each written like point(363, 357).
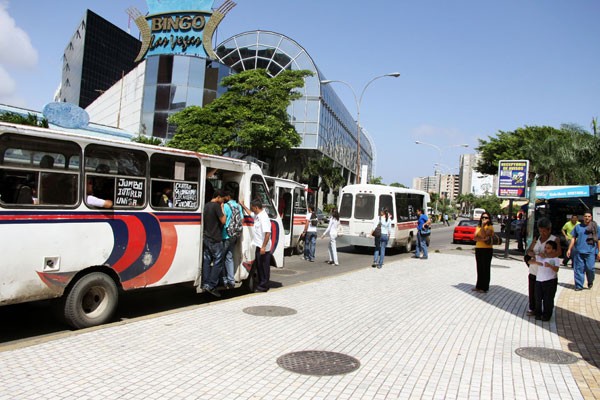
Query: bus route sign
point(512, 178)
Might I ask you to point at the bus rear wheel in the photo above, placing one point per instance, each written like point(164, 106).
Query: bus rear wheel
point(91, 301)
point(409, 245)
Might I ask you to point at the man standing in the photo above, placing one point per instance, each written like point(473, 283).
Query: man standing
point(421, 239)
point(586, 244)
point(566, 230)
point(213, 220)
point(310, 234)
point(262, 241)
point(234, 216)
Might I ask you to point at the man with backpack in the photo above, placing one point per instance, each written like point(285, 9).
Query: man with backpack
point(310, 234)
point(232, 230)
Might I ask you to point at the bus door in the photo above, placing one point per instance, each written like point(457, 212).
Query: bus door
point(259, 190)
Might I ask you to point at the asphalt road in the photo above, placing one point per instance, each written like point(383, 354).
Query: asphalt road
point(23, 324)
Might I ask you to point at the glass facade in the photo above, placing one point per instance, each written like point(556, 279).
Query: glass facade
point(319, 116)
point(172, 83)
point(97, 56)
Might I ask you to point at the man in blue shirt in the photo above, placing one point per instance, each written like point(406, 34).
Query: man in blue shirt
point(586, 244)
point(422, 225)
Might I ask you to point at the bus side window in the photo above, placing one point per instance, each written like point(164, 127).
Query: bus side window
point(174, 182)
point(42, 177)
point(117, 174)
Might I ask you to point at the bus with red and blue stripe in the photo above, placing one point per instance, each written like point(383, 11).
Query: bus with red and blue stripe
point(58, 244)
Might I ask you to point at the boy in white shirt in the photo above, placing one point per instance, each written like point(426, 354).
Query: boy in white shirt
point(546, 281)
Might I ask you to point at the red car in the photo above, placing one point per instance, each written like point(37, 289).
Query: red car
point(465, 231)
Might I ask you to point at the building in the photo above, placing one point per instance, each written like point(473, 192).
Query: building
point(472, 181)
point(140, 96)
point(444, 184)
point(98, 55)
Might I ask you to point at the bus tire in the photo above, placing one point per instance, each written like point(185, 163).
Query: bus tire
point(251, 282)
point(91, 301)
point(409, 245)
point(300, 247)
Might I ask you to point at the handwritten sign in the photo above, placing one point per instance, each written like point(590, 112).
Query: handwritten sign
point(185, 195)
point(130, 192)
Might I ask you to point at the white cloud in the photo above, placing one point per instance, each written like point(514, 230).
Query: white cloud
point(7, 84)
point(15, 46)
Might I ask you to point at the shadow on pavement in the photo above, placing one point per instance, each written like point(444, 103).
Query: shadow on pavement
point(582, 332)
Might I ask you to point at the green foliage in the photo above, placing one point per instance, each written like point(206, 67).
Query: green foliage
point(30, 119)
point(331, 175)
point(251, 117)
point(396, 184)
point(565, 156)
point(376, 180)
point(490, 203)
point(328, 207)
point(148, 140)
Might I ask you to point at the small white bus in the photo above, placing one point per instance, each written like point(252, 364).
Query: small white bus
point(360, 204)
point(477, 213)
point(56, 244)
point(290, 201)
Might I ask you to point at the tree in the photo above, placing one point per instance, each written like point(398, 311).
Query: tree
point(396, 184)
point(148, 140)
point(30, 119)
point(330, 174)
point(251, 117)
point(565, 156)
point(376, 180)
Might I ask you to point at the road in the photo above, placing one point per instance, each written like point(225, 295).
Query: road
point(24, 324)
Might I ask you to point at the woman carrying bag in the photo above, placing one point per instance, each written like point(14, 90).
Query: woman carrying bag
point(484, 236)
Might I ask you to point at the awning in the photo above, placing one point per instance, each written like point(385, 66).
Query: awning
point(561, 192)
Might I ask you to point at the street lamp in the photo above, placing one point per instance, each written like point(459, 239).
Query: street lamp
point(358, 101)
point(439, 149)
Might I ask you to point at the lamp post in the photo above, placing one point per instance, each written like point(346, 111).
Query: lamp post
point(439, 149)
point(358, 101)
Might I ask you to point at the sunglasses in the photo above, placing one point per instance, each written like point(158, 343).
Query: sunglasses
point(485, 218)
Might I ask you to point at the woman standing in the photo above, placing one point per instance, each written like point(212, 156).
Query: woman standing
point(385, 220)
point(537, 248)
point(332, 230)
point(483, 252)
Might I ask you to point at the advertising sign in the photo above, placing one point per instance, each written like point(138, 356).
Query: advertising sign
point(512, 178)
point(184, 27)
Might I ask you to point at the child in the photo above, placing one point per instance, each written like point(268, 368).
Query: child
point(546, 281)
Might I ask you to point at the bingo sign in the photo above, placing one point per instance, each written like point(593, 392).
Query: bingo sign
point(512, 178)
point(185, 195)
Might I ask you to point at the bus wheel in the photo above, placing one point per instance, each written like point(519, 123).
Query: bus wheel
point(409, 245)
point(300, 247)
point(91, 301)
point(251, 281)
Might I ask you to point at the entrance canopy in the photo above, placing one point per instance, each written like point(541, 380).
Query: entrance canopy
point(561, 192)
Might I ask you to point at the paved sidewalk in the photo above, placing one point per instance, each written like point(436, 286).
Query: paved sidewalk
point(415, 326)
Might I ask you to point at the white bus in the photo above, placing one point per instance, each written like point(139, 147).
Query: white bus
point(56, 245)
point(359, 206)
point(477, 213)
point(290, 201)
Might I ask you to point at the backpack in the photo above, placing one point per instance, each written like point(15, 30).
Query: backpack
point(234, 229)
point(314, 221)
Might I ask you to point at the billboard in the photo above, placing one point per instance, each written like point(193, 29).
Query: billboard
point(512, 178)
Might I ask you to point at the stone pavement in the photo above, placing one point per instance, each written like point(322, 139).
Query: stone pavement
point(415, 326)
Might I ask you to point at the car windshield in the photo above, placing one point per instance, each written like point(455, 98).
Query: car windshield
point(468, 223)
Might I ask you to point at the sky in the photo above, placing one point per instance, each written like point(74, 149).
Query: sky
point(469, 68)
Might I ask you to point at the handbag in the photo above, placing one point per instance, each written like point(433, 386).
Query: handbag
point(496, 239)
point(377, 231)
point(425, 230)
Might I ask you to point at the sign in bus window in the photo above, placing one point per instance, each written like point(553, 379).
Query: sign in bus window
point(130, 192)
point(185, 195)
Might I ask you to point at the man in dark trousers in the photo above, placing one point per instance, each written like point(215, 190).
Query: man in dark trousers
point(213, 220)
point(262, 241)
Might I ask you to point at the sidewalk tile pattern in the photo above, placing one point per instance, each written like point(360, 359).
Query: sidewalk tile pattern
point(415, 326)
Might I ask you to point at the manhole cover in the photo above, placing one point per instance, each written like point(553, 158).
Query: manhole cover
point(319, 363)
point(545, 355)
point(283, 271)
point(269, 311)
point(499, 266)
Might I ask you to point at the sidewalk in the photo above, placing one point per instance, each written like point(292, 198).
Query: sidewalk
point(415, 326)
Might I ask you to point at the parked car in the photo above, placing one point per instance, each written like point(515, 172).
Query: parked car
point(464, 231)
point(323, 219)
